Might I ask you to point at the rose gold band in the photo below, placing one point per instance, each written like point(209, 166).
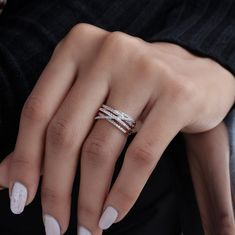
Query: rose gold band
point(120, 120)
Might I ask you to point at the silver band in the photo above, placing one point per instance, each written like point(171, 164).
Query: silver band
point(121, 120)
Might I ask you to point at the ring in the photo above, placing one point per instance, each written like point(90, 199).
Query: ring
point(121, 120)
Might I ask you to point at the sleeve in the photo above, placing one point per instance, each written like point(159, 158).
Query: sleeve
point(28, 36)
point(29, 32)
point(205, 27)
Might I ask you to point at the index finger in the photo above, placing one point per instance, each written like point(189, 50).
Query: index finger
point(48, 93)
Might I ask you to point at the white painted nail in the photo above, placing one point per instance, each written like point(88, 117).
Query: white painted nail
point(52, 226)
point(83, 231)
point(108, 217)
point(18, 198)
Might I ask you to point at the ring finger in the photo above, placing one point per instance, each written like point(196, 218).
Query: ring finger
point(100, 152)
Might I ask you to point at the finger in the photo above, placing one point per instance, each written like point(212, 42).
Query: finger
point(208, 155)
point(100, 152)
point(4, 172)
point(158, 130)
point(65, 135)
point(45, 98)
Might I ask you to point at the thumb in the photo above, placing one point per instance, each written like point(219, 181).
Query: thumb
point(4, 171)
point(208, 155)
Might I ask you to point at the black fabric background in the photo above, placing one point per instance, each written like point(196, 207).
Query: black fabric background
point(29, 31)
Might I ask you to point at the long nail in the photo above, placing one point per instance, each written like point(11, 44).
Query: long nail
point(83, 231)
point(108, 217)
point(52, 226)
point(18, 198)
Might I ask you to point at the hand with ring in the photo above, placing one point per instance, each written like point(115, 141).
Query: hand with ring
point(98, 87)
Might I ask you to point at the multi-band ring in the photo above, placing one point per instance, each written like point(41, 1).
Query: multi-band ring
point(121, 120)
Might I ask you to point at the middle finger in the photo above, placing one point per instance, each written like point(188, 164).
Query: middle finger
point(65, 135)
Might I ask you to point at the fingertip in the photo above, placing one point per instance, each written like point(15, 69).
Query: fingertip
point(83, 231)
point(52, 226)
point(108, 217)
point(18, 198)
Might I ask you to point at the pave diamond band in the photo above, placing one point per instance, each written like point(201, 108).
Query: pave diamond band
point(120, 120)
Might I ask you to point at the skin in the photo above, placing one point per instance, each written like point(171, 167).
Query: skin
point(208, 155)
point(163, 85)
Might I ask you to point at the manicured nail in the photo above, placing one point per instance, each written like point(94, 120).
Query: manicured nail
point(83, 231)
point(52, 226)
point(18, 198)
point(108, 217)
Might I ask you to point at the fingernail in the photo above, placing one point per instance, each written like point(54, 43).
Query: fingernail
point(108, 217)
point(83, 231)
point(1, 188)
point(18, 198)
point(52, 226)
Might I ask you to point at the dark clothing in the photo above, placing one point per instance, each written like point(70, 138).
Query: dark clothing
point(29, 31)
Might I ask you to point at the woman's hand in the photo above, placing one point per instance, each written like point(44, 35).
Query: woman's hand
point(208, 155)
point(161, 84)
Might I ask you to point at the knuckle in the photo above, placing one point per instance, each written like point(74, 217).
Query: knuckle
point(225, 218)
point(86, 211)
point(79, 29)
point(96, 152)
point(146, 67)
point(183, 90)
point(85, 37)
point(116, 37)
point(164, 69)
point(59, 134)
point(117, 42)
point(48, 195)
point(52, 196)
point(24, 170)
point(142, 156)
point(34, 109)
point(125, 196)
point(78, 35)
point(21, 163)
point(225, 222)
